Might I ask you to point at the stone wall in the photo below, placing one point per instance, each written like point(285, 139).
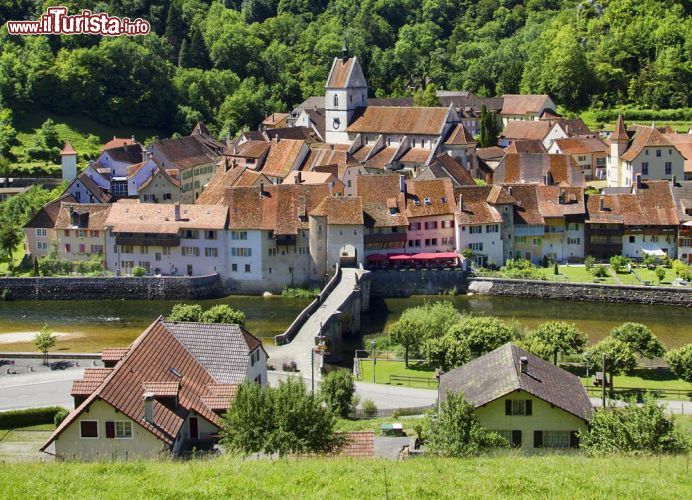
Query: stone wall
point(83, 288)
point(587, 292)
point(404, 283)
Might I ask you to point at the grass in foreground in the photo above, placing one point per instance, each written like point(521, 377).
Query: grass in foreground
point(555, 476)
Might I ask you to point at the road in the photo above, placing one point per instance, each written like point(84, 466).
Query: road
point(38, 389)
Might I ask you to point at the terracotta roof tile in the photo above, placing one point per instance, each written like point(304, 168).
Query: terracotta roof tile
point(521, 104)
point(533, 168)
point(340, 210)
point(359, 444)
point(113, 354)
point(645, 136)
point(274, 118)
point(683, 143)
point(459, 135)
point(429, 198)
point(46, 216)
point(340, 72)
point(129, 153)
point(476, 209)
point(581, 145)
point(399, 120)
point(383, 202)
point(444, 166)
point(162, 389)
point(526, 146)
point(526, 210)
point(282, 157)
point(556, 201)
point(68, 149)
point(183, 152)
point(620, 132)
point(116, 142)
point(130, 216)
point(89, 216)
point(248, 149)
point(526, 130)
point(382, 158)
point(651, 205)
point(416, 155)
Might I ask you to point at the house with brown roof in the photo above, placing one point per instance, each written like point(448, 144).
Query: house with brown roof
point(250, 154)
point(563, 212)
point(524, 107)
point(430, 209)
point(484, 223)
point(160, 187)
point(39, 232)
point(633, 222)
point(284, 156)
point(530, 402)
point(88, 188)
point(336, 234)
point(590, 153)
point(544, 169)
point(311, 177)
point(227, 176)
point(275, 120)
point(384, 213)
point(682, 194)
point(79, 230)
point(445, 166)
point(163, 396)
point(166, 239)
point(646, 152)
point(683, 143)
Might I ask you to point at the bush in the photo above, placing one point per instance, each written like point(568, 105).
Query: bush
point(599, 271)
point(369, 407)
point(33, 416)
point(633, 429)
point(60, 416)
point(139, 271)
point(680, 361)
point(619, 263)
point(185, 312)
point(337, 390)
point(300, 293)
point(682, 270)
point(223, 313)
point(521, 268)
point(49, 266)
point(589, 262)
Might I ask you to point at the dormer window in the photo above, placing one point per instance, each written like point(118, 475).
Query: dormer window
point(443, 199)
point(427, 201)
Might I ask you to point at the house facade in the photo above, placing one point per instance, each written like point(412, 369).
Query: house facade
point(79, 231)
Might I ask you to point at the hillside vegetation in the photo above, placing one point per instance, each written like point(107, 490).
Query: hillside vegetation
point(502, 477)
point(231, 62)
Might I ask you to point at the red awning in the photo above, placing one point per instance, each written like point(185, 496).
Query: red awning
point(436, 256)
point(376, 257)
point(401, 256)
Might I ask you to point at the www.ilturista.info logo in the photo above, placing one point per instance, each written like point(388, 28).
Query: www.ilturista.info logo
point(56, 21)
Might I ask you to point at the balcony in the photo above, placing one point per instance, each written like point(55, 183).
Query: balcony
point(554, 229)
point(146, 240)
point(529, 230)
point(384, 238)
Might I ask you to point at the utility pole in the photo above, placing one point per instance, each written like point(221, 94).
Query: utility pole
point(604, 381)
point(373, 343)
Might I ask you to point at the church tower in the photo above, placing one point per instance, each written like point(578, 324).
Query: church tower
point(68, 160)
point(345, 91)
point(619, 142)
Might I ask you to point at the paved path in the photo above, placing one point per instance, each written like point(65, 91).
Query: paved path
point(38, 389)
point(299, 349)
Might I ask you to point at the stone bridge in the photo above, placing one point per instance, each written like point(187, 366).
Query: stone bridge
point(334, 313)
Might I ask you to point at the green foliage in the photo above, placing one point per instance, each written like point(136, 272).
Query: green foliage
point(50, 265)
point(599, 271)
point(633, 429)
point(426, 97)
point(408, 334)
point(60, 416)
point(337, 390)
point(9, 241)
point(680, 362)
point(482, 334)
point(284, 420)
point(640, 339)
point(489, 131)
point(8, 135)
point(682, 270)
point(138, 271)
point(369, 407)
point(589, 262)
point(555, 337)
point(32, 416)
point(300, 293)
point(447, 352)
point(521, 268)
point(185, 313)
point(619, 263)
point(619, 356)
point(660, 274)
point(44, 340)
point(456, 431)
point(223, 313)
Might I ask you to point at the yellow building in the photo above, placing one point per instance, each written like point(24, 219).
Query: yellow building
point(527, 400)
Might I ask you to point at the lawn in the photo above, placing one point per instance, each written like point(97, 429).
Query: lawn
point(576, 274)
point(508, 476)
point(385, 369)
point(22, 444)
point(649, 379)
point(649, 275)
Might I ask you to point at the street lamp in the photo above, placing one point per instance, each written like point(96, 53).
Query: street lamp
point(320, 348)
point(438, 376)
point(373, 343)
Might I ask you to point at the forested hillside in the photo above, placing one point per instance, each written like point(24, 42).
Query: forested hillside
point(230, 62)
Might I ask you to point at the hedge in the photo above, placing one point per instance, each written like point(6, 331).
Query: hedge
point(609, 115)
point(33, 416)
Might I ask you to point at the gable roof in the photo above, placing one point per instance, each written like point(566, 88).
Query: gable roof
point(682, 194)
point(163, 173)
point(117, 142)
point(203, 357)
point(526, 210)
point(643, 137)
point(399, 120)
point(533, 168)
point(68, 149)
point(46, 216)
point(651, 205)
point(558, 201)
point(99, 193)
point(438, 192)
point(521, 104)
point(282, 157)
point(129, 153)
point(527, 130)
point(474, 207)
point(527, 146)
point(581, 145)
point(445, 166)
point(383, 202)
point(683, 143)
point(341, 69)
point(183, 152)
point(620, 132)
point(498, 373)
point(131, 216)
point(459, 135)
point(91, 215)
point(340, 210)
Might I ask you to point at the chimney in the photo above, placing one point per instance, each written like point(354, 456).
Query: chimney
point(524, 362)
point(601, 204)
point(402, 183)
point(561, 197)
point(176, 211)
point(509, 190)
point(149, 407)
point(133, 138)
point(299, 177)
point(461, 202)
point(638, 178)
point(261, 191)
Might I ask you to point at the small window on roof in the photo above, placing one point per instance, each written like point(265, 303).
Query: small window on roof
point(443, 199)
point(427, 201)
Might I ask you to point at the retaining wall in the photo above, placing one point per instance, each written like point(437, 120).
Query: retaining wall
point(405, 282)
point(90, 288)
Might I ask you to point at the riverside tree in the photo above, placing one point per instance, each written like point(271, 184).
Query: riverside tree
point(640, 339)
point(221, 313)
point(619, 356)
point(44, 341)
point(555, 337)
point(680, 361)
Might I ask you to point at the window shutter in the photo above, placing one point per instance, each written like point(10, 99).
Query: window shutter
point(516, 439)
point(574, 439)
point(110, 430)
point(538, 439)
point(529, 407)
point(508, 406)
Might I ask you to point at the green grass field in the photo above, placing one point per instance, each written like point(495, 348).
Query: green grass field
point(509, 476)
point(385, 369)
point(576, 274)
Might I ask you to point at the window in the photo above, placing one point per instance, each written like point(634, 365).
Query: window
point(82, 248)
point(658, 153)
point(573, 241)
point(654, 239)
point(42, 245)
point(94, 234)
point(645, 168)
point(669, 167)
point(431, 225)
point(67, 233)
point(211, 252)
point(272, 252)
point(632, 239)
point(190, 234)
point(492, 228)
point(167, 196)
point(512, 437)
point(157, 256)
point(211, 235)
point(348, 183)
point(189, 251)
point(68, 248)
point(413, 243)
point(81, 233)
point(123, 429)
point(520, 239)
point(144, 249)
point(581, 158)
point(234, 268)
point(241, 252)
point(476, 247)
point(336, 100)
point(88, 429)
point(475, 229)
point(41, 232)
point(166, 251)
point(556, 439)
point(518, 407)
point(125, 248)
point(537, 241)
point(247, 268)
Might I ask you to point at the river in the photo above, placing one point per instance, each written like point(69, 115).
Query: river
point(88, 326)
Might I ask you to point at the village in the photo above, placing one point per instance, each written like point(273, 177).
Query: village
point(331, 195)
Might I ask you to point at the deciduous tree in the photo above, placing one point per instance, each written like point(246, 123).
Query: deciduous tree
point(680, 361)
point(640, 339)
point(555, 337)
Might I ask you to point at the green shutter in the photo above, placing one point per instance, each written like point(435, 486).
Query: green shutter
point(516, 439)
point(574, 439)
point(508, 406)
point(529, 407)
point(538, 439)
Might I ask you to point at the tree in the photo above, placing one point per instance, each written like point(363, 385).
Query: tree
point(9, 241)
point(680, 362)
point(337, 390)
point(48, 134)
point(456, 431)
point(408, 334)
point(249, 419)
point(482, 334)
point(199, 56)
point(446, 352)
point(175, 27)
point(44, 340)
point(555, 337)
point(138, 272)
point(223, 313)
point(184, 59)
point(660, 274)
point(619, 263)
point(633, 429)
point(640, 339)
point(185, 312)
point(619, 356)
point(8, 134)
point(427, 97)
point(488, 128)
point(589, 262)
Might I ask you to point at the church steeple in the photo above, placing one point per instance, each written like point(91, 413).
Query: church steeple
point(344, 50)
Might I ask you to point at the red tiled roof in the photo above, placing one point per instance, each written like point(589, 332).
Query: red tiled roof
point(526, 210)
point(556, 201)
point(68, 149)
point(521, 104)
point(113, 354)
point(379, 193)
point(645, 136)
point(340, 210)
point(581, 145)
point(527, 130)
point(651, 205)
point(282, 157)
point(476, 208)
point(116, 142)
point(399, 120)
point(416, 155)
point(438, 192)
point(620, 133)
point(340, 71)
point(459, 135)
point(162, 389)
point(91, 215)
point(526, 146)
point(358, 444)
point(46, 216)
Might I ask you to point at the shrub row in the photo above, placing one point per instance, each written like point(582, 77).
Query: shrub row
point(32, 416)
point(609, 115)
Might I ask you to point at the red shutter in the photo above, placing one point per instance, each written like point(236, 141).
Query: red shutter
point(110, 430)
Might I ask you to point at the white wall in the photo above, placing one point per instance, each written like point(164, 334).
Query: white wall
point(492, 242)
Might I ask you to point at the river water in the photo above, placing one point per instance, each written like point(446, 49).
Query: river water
point(88, 326)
